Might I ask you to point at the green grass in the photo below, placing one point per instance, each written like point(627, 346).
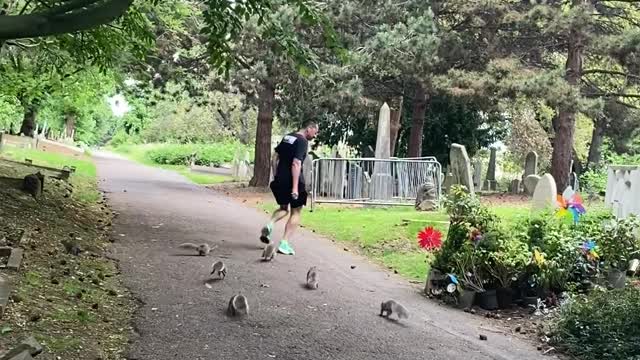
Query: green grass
point(388, 234)
point(138, 153)
point(83, 179)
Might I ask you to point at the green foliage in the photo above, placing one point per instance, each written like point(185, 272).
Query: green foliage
point(463, 207)
point(619, 242)
point(202, 154)
point(458, 254)
point(508, 260)
point(453, 120)
point(595, 179)
point(602, 325)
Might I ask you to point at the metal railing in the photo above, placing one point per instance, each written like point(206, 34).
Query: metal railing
point(372, 181)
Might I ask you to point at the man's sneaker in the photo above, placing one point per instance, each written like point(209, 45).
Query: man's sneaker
point(265, 235)
point(285, 248)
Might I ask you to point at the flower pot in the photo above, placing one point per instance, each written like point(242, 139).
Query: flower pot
point(489, 300)
point(466, 298)
point(504, 297)
point(531, 300)
point(616, 278)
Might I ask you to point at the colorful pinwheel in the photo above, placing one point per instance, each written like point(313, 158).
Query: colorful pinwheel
point(475, 237)
point(570, 205)
point(430, 238)
point(590, 250)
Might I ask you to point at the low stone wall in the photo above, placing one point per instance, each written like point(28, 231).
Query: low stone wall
point(623, 190)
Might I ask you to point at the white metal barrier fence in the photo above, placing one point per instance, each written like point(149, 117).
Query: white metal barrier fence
point(373, 181)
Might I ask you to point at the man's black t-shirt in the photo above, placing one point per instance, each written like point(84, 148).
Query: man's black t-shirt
point(292, 146)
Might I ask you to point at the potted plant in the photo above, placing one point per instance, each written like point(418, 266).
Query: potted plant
point(619, 243)
point(505, 264)
point(466, 263)
point(430, 239)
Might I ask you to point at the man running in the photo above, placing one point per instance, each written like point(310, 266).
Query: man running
point(288, 185)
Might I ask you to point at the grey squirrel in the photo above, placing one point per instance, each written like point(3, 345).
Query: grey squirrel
point(34, 184)
point(220, 269)
point(203, 249)
point(312, 278)
point(269, 252)
point(238, 305)
point(391, 306)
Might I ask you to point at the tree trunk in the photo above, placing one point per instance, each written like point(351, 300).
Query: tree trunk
point(70, 124)
point(565, 123)
point(417, 122)
point(262, 168)
point(396, 115)
point(595, 149)
point(29, 120)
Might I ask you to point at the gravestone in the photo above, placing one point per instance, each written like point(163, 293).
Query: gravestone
point(574, 182)
point(426, 197)
point(460, 166)
point(545, 194)
point(382, 180)
point(240, 167)
point(447, 182)
point(490, 182)
point(530, 183)
point(514, 188)
point(530, 164)
point(477, 175)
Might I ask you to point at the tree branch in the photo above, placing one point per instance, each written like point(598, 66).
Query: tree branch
point(610, 94)
point(69, 6)
point(610, 72)
point(45, 24)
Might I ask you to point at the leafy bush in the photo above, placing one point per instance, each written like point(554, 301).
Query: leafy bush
point(619, 242)
point(600, 326)
point(202, 154)
point(594, 181)
point(464, 207)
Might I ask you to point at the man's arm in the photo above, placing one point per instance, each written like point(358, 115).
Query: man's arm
point(274, 162)
point(296, 165)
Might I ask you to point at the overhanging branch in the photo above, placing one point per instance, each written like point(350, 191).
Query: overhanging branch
point(51, 23)
point(610, 72)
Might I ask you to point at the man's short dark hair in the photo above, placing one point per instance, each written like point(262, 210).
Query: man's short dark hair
point(308, 123)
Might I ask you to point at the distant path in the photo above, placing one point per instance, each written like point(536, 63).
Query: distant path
point(183, 319)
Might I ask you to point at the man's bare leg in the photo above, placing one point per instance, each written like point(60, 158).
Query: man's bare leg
point(289, 229)
point(277, 215)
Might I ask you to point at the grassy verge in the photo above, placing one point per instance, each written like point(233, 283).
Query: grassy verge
point(76, 306)
point(83, 179)
point(387, 235)
point(138, 153)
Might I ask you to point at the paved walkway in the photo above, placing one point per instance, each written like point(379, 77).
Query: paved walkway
point(183, 319)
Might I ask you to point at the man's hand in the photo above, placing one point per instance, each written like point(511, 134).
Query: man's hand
point(294, 195)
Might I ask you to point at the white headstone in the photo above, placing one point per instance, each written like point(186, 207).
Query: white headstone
point(545, 194)
point(530, 183)
point(461, 166)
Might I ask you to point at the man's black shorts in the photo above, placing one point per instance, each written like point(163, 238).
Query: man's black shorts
point(282, 193)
